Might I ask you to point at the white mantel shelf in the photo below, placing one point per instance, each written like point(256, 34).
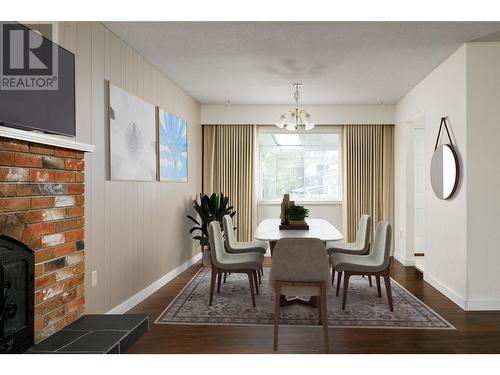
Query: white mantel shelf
point(44, 139)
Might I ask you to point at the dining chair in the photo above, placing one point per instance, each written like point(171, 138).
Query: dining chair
point(300, 268)
point(375, 264)
point(238, 247)
point(361, 246)
point(223, 261)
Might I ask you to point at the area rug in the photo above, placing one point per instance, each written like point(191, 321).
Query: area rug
point(233, 306)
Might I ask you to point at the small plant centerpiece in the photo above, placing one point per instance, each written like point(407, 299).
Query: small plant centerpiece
point(297, 214)
point(209, 208)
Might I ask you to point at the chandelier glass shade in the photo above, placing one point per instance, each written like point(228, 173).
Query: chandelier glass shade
point(296, 119)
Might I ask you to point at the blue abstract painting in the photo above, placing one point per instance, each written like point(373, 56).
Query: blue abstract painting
point(173, 147)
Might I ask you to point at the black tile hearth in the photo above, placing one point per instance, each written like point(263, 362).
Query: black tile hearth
point(95, 334)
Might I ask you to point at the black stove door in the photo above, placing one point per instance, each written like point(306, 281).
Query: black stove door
point(15, 306)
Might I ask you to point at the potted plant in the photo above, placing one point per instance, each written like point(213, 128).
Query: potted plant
point(297, 214)
point(209, 208)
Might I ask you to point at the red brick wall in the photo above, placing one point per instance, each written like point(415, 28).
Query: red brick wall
point(41, 205)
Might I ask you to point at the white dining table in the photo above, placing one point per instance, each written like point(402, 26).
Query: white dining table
point(268, 230)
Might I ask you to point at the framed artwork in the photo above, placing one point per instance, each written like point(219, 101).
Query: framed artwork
point(132, 137)
point(172, 147)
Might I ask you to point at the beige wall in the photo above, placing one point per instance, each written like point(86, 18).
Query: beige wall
point(333, 114)
point(441, 93)
point(483, 183)
point(462, 257)
point(136, 232)
point(332, 212)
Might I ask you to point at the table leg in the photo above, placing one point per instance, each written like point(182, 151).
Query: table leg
point(271, 247)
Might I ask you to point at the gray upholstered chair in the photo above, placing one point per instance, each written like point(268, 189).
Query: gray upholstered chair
point(233, 246)
point(237, 247)
point(359, 247)
point(362, 244)
point(300, 268)
point(375, 264)
point(223, 261)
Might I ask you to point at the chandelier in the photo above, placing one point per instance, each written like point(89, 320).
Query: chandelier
point(296, 119)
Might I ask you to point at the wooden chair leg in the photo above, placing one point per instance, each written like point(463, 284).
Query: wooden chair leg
point(252, 286)
point(387, 282)
point(225, 276)
point(324, 315)
point(260, 276)
point(219, 279)
point(256, 282)
point(370, 280)
point(346, 287)
point(339, 279)
point(377, 279)
point(212, 285)
point(277, 297)
point(333, 274)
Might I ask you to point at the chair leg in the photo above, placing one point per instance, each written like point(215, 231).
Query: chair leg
point(324, 316)
point(277, 298)
point(377, 279)
point(259, 276)
point(339, 279)
point(346, 286)
point(219, 279)
point(225, 276)
point(252, 287)
point(255, 281)
point(387, 282)
point(333, 274)
point(212, 285)
point(319, 302)
point(370, 280)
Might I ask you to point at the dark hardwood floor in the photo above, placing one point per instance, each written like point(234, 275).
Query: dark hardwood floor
point(477, 332)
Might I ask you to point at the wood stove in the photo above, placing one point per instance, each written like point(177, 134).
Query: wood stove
point(16, 296)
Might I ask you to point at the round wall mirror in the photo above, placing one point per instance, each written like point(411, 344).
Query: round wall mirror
point(444, 171)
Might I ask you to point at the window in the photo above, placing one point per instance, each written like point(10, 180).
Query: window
point(305, 165)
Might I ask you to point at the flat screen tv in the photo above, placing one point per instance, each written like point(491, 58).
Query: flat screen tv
point(37, 82)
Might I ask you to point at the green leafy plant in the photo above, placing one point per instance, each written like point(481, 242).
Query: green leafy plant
point(297, 212)
point(209, 208)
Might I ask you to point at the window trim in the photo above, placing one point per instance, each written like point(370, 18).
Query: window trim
point(269, 202)
point(319, 129)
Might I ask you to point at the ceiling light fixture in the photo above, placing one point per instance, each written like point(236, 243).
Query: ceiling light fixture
point(296, 119)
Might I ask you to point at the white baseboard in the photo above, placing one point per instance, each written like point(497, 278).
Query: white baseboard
point(405, 262)
point(451, 294)
point(483, 304)
point(146, 292)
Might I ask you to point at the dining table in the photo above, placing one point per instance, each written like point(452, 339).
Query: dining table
point(269, 230)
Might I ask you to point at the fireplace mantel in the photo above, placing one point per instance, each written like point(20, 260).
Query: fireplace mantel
point(45, 139)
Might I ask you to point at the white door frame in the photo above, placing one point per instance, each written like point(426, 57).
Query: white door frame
point(418, 240)
point(417, 121)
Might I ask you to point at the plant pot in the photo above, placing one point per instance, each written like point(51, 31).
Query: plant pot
point(206, 259)
point(297, 222)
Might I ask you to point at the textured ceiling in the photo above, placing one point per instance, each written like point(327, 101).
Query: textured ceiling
point(337, 62)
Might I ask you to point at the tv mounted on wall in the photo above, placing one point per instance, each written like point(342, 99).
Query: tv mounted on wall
point(37, 82)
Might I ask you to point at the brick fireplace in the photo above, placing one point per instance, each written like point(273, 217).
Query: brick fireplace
point(42, 205)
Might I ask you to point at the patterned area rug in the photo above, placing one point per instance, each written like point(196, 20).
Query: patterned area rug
point(233, 306)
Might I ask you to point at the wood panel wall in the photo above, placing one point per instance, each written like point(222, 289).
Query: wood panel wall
point(135, 232)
